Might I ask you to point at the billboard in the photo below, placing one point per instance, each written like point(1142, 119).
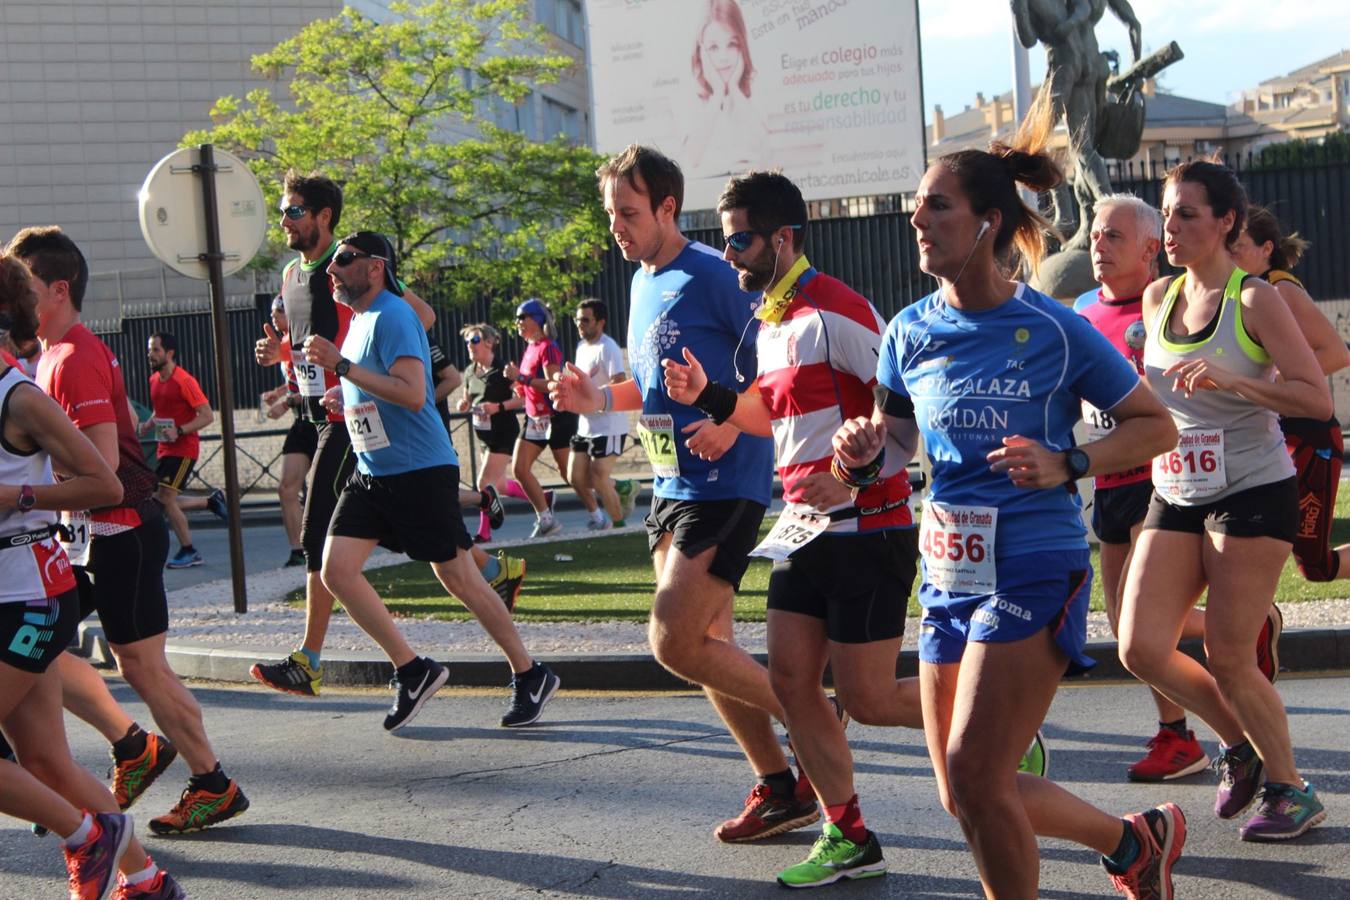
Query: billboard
point(828, 90)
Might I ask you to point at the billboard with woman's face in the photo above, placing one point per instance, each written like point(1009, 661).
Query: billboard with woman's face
point(827, 90)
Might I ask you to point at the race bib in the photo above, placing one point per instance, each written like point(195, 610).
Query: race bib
point(657, 436)
point(75, 525)
point(309, 377)
point(793, 531)
point(481, 420)
point(537, 427)
point(366, 427)
point(163, 430)
point(1099, 422)
point(957, 543)
point(1195, 468)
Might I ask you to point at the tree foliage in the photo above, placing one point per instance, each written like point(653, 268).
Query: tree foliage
point(400, 113)
point(1334, 148)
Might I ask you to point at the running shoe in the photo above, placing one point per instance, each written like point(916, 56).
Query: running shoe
point(197, 809)
point(627, 490)
point(1238, 782)
point(92, 866)
point(410, 698)
point(293, 675)
point(550, 500)
point(481, 538)
point(1170, 756)
point(161, 887)
point(185, 559)
point(529, 694)
point(216, 503)
point(1036, 761)
point(297, 558)
point(496, 512)
point(766, 815)
point(1162, 833)
point(1283, 812)
point(833, 858)
point(1268, 644)
point(131, 777)
point(509, 580)
point(601, 524)
point(545, 525)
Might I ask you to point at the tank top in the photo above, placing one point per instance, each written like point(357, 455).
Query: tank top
point(39, 568)
point(1227, 443)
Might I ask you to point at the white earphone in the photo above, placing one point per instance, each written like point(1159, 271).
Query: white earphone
point(984, 228)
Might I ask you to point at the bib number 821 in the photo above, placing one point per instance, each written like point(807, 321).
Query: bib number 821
point(952, 546)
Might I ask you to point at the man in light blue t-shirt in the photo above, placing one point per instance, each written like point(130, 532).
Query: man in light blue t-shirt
point(405, 492)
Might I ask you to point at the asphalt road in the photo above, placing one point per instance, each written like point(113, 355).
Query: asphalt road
point(616, 796)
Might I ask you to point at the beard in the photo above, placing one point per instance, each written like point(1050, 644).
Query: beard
point(302, 241)
point(756, 274)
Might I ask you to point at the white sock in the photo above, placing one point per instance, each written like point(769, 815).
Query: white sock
point(80, 836)
point(144, 875)
point(598, 515)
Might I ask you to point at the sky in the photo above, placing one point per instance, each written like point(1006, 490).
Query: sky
point(1229, 44)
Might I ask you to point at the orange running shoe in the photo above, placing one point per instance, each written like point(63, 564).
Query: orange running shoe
point(198, 809)
point(132, 777)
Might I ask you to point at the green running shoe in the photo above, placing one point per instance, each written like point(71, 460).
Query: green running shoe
point(834, 857)
point(1036, 761)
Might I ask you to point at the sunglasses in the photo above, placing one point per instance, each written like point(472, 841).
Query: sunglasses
point(294, 211)
point(475, 340)
point(741, 240)
point(346, 257)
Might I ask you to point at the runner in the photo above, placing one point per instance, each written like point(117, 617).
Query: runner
point(712, 483)
point(119, 551)
point(1316, 446)
point(1225, 507)
point(297, 450)
point(486, 394)
point(544, 426)
point(993, 373)
point(843, 565)
point(39, 615)
point(181, 410)
point(600, 438)
point(405, 491)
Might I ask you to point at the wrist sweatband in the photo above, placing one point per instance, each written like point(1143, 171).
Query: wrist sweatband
point(861, 477)
point(717, 402)
point(606, 399)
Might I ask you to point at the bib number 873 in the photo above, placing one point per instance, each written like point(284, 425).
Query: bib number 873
point(952, 546)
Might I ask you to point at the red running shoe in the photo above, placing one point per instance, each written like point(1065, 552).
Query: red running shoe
point(92, 866)
point(1162, 833)
point(766, 815)
point(1170, 756)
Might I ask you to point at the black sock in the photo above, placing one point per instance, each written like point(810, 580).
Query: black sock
point(214, 782)
point(1243, 751)
point(1179, 726)
point(187, 548)
point(534, 671)
point(484, 501)
point(1126, 852)
point(411, 673)
point(131, 744)
point(781, 784)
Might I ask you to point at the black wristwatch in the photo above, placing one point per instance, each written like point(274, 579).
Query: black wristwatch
point(27, 499)
point(342, 368)
point(1077, 462)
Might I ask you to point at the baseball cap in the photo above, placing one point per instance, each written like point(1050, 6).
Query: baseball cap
point(535, 310)
point(377, 245)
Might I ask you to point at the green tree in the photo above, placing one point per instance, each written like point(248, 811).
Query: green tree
point(1333, 148)
point(400, 112)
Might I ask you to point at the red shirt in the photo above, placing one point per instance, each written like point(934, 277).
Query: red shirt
point(1122, 322)
point(539, 354)
point(177, 397)
point(83, 376)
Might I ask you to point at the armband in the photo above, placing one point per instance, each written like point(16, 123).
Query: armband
point(717, 402)
point(897, 406)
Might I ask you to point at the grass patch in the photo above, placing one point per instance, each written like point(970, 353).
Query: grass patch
point(611, 579)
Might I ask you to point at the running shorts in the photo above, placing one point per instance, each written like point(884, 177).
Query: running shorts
point(732, 526)
point(1049, 589)
point(1267, 510)
point(333, 463)
point(1116, 510)
point(34, 633)
point(500, 439)
point(416, 513)
point(124, 582)
point(174, 471)
point(301, 438)
point(599, 446)
point(859, 584)
point(562, 427)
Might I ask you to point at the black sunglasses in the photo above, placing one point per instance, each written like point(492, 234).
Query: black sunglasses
point(476, 339)
point(294, 211)
point(346, 257)
point(741, 240)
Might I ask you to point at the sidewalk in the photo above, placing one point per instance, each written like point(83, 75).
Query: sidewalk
point(207, 639)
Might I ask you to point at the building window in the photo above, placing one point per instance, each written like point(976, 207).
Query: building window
point(518, 117)
point(561, 119)
point(563, 18)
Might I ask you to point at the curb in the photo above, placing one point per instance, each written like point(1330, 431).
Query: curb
point(1305, 650)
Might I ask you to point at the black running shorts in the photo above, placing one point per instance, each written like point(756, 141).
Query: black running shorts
point(599, 446)
point(124, 582)
point(1116, 510)
point(416, 513)
point(732, 526)
point(302, 438)
point(1267, 510)
point(859, 584)
point(174, 471)
point(332, 465)
point(562, 427)
point(33, 634)
point(500, 439)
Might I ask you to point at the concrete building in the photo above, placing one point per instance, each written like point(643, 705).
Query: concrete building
point(1308, 103)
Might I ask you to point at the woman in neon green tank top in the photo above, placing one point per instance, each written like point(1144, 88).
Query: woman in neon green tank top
point(1224, 511)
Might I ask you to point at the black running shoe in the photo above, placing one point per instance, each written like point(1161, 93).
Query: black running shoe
point(409, 698)
point(496, 512)
point(297, 558)
point(529, 693)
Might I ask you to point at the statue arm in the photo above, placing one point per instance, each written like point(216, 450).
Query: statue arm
point(1125, 13)
point(1026, 34)
point(1080, 13)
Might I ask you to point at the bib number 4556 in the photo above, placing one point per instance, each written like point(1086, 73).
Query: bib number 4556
point(953, 546)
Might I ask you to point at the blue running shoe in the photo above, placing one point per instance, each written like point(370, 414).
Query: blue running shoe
point(185, 559)
point(216, 503)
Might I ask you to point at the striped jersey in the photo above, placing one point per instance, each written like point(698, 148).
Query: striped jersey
point(817, 367)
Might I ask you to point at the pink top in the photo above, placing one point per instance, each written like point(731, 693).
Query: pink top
point(1122, 323)
point(539, 354)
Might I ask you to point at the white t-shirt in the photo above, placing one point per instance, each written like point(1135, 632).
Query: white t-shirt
point(601, 360)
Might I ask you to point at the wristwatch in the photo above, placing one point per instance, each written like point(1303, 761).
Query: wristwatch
point(342, 368)
point(27, 499)
point(1077, 462)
